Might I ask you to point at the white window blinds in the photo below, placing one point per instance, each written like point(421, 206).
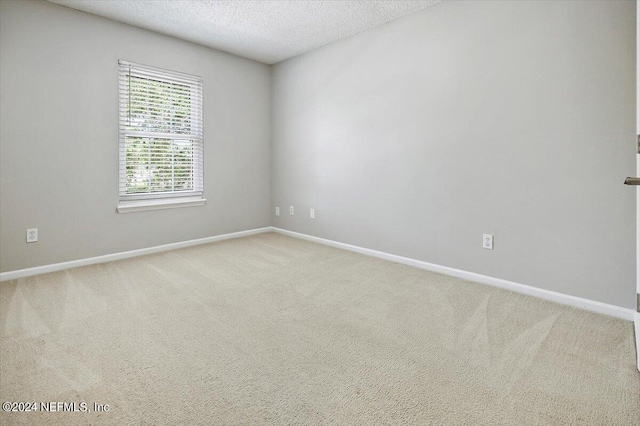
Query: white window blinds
point(161, 136)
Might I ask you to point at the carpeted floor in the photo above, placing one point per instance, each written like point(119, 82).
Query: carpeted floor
point(273, 330)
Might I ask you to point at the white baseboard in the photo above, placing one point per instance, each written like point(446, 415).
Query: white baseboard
point(565, 299)
point(21, 273)
point(578, 302)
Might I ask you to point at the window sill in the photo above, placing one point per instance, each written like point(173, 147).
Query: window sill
point(172, 203)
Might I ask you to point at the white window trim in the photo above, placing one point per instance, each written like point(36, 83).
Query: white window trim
point(157, 201)
point(159, 204)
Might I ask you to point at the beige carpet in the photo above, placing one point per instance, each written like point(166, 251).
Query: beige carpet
point(273, 330)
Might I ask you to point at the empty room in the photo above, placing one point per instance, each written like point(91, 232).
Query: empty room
point(319, 212)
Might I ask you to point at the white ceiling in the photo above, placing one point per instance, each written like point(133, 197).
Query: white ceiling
point(268, 31)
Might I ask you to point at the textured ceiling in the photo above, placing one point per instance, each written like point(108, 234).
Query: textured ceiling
point(267, 31)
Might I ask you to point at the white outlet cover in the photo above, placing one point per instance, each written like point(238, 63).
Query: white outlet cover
point(291, 210)
point(277, 211)
point(32, 235)
point(312, 213)
point(487, 241)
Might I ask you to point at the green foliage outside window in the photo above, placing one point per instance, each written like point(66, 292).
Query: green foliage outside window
point(163, 163)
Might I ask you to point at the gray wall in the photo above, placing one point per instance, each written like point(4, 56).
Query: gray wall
point(59, 137)
point(510, 118)
point(415, 138)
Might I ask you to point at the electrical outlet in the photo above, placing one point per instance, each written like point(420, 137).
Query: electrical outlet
point(32, 235)
point(487, 241)
point(277, 211)
point(312, 213)
point(291, 210)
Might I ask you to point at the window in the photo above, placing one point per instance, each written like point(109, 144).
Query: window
point(161, 139)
